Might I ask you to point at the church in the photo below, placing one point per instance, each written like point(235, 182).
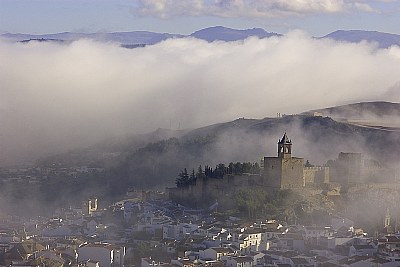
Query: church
point(283, 171)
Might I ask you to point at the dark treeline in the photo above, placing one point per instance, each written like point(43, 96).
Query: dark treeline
point(185, 179)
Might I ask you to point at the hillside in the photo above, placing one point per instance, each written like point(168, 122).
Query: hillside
point(153, 160)
point(316, 138)
point(361, 110)
point(378, 115)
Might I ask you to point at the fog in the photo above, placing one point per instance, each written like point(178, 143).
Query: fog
point(56, 97)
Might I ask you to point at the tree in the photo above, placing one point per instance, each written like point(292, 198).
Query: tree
point(308, 164)
point(200, 173)
point(250, 201)
point(192, 178)
point(230, 168)
point(219, 171)
point(183, 179)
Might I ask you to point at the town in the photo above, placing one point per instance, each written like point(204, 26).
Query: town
point(151, 228)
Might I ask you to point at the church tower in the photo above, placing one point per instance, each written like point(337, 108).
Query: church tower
point(283, 171)
point(387, 218)
point(285, 147)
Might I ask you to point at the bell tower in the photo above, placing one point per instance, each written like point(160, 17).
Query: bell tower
point(283, 171)
point(285, 147)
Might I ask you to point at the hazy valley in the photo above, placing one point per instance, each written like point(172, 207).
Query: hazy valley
point(153, 160)
point(136, 151)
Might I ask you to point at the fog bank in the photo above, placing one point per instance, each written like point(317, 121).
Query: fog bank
point(56, 97)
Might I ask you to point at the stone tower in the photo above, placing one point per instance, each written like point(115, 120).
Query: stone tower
point(387, 218)
point(285, 147)
point(283, 171)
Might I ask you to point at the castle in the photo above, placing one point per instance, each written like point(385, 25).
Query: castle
point(283, 171)
point(287, 172)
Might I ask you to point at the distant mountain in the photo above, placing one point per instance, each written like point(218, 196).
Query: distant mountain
point(42, 40)
point(140, 38)
point(219, 33)
point(384, 40)
point(65, 36)
point(125, 38)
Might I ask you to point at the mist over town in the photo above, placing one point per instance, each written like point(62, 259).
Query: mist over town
point(199, 133)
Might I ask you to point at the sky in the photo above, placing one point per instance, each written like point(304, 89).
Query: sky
point(60, 96)
point(317, 17)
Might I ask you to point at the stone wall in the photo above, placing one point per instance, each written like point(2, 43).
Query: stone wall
point(292, 173)
point(283, 173)
point(272, 172)
point(316, 175)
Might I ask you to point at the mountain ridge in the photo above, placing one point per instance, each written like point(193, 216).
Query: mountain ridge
point(384, 40)
point(209, 34)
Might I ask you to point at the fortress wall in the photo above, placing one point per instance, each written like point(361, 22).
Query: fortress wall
point(272, 172)
point(317, 175)
point(383, 175)
point(292, 173)
point(347, 168)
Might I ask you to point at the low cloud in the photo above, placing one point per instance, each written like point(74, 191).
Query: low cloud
point(247, 8)
point(61, 96)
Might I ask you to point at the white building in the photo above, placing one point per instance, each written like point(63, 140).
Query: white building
point(178, 231)
point(242, 261)
point(107, 255)
point(214, 253)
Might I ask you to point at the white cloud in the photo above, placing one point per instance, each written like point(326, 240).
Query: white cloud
point(246, 8)
point(365, 8)
point(55, 97)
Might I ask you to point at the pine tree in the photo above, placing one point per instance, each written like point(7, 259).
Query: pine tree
point(192, 178)
point(183, 179)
